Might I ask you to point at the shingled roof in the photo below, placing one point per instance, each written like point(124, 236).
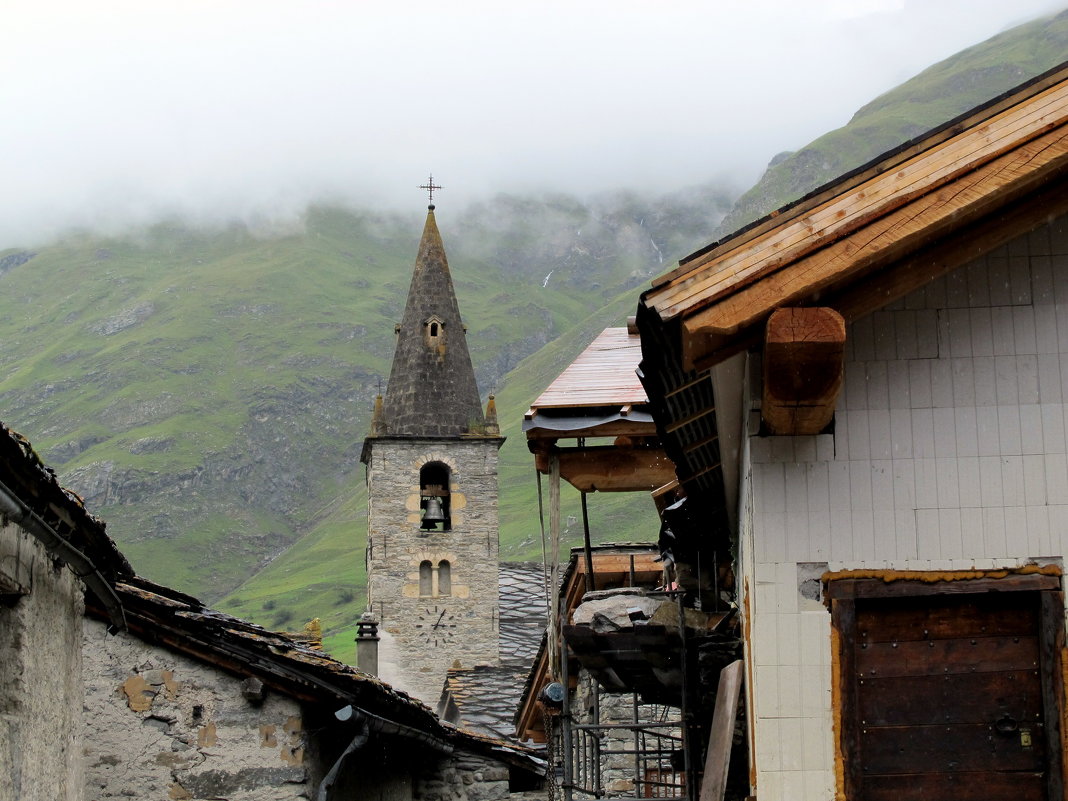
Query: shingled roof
point(31, 496)
point(432, 390)
point(484, 698)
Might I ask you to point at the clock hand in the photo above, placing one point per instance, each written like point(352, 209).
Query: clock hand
point(437, 623)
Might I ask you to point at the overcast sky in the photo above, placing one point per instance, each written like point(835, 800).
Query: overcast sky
point(117, 112)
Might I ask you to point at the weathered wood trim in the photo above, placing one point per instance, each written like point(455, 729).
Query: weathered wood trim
point(855, 208)
point(883, 241)
point(903, 588)
point(613, 469)
point(721, 736)
point(1051, 651)
point(847, 726)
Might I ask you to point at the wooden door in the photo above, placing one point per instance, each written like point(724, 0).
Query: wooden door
point(952, 696)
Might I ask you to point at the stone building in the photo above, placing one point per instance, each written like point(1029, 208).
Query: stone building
point(431, 457)
point(196, 704)
point(51, 548)
point(112, 686)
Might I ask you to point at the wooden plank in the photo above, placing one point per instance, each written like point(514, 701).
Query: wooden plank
point(843, 620)
point(947, 656)
point(710, 279)
point(946, 749)
point(964, 245)
point(920, 618)
point(611, 469)
point(978, 785)
point(1051, 646)
point(887, 238)
point(957, 699)
point(721, 736)
point(900, 156)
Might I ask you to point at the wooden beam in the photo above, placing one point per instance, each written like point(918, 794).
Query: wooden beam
point(610, 469)
point(889, 238)
point(721, 737)
point(804, 361)
point(854, 208)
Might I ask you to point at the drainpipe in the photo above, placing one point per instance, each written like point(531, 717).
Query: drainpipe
point(369, 723)
point(12, 507)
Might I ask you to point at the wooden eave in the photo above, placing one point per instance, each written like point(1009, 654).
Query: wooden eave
point(871, 237)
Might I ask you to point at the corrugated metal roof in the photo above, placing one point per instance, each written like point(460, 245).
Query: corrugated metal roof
point(602, 375)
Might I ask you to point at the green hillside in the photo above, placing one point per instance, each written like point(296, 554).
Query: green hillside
point(937, 95)
point(207, 391)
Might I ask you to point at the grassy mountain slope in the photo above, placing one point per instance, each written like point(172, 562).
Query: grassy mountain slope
point(207, 391)
point(938, 94)
point(322, 575)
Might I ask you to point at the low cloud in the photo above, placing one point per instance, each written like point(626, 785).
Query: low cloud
point(118, 113)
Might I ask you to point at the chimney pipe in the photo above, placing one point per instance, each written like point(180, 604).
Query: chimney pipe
point(367, 643)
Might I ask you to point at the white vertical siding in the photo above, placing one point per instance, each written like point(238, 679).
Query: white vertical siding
point(948, 453)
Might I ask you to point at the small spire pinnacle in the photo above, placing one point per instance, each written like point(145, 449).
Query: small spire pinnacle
point(493, 428)
point(430, 186)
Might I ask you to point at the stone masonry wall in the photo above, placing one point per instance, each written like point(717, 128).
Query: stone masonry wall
point(159, 725)
point(424, 635)
point(463, 777)
point(40, 676)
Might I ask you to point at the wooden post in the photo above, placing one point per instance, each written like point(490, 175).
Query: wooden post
point(554, 567)
point(720, 739)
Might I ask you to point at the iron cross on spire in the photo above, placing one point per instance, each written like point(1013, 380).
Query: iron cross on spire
point(430, 186)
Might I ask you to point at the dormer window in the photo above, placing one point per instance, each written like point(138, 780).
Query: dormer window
point(434, 332)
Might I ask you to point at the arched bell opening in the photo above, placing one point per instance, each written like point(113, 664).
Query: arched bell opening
point(434, 497)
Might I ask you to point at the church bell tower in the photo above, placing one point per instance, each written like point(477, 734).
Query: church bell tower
point(431, 458)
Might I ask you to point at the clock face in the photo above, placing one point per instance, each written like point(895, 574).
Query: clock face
point(436, 625)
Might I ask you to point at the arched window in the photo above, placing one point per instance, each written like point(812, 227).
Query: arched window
point(426, 578)
point(444, 578)
point(434, 497)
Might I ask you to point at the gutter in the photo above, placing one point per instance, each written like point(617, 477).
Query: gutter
point(81, 565)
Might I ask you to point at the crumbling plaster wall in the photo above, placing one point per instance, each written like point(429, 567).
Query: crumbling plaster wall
point(40, 676)
point(159, 725)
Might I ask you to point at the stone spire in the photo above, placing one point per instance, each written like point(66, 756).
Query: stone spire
point(432, 390)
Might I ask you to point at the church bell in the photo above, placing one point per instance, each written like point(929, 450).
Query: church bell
point(433, 513)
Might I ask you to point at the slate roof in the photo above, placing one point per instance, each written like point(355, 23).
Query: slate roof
point(432, 390)
point(32, 497)
point(486, 696)
point(36, 485)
